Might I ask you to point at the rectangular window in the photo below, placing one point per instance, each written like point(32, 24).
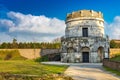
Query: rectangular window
point(85, 32)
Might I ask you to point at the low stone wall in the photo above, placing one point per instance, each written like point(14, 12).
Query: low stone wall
point(28, 53)
point(49, 51)
point(111, 64)
point(114, 51)
point(53, 54)
point(35, 53)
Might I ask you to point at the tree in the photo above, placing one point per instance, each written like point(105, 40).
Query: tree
point(4, 45)
point(14, 43)
point(112, 44)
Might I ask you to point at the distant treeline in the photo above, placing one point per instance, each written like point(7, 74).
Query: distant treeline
point(114, 44)
point(28, 45)
point(42, 45)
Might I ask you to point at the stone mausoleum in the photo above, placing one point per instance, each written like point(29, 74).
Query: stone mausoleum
point(84, 39)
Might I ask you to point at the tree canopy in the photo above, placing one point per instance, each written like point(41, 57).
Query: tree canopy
point(114, 44)
point(28, 45)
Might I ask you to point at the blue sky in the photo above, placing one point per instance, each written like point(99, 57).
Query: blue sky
point(14, 13)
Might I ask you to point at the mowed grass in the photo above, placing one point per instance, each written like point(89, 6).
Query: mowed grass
point(29, 67)
point(111, 70)
point(11, 62)
point(116, 58)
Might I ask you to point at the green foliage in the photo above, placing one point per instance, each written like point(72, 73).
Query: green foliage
point(42, 59)
point(29, 67)
point(14, 43)
point(29, 45)
point(6, 76)
point(10, 55)
point(116, 57)
point(113, 44)
point(111, 70)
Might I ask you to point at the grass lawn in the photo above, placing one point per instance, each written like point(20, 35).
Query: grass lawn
point(111, 70)
point(116, 58)
point(29, 67)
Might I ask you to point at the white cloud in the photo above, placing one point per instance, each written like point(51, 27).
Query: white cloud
point(113, 29)
point(4, 37)
point(38, 24)
point(5, 24)
point(41, 28)
point(26, 27)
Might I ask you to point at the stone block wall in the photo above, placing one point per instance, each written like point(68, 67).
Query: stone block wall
point(52, 54)
point(35, 53)
point(49, 51)
point(111, 64)
point(30, 53)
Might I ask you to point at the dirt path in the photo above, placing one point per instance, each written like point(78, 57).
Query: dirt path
point(89, 71)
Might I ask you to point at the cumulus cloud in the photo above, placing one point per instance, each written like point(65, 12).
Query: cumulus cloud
point(113, 29)
point(27, 27)
point(41, 28)
point(4, 37)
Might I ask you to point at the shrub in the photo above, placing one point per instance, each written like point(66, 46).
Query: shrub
point(10, 55)
point(116, 57)
point(41, 59)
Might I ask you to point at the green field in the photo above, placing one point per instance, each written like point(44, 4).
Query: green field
point(116, 58)
point(113, 71)
point(11, 64)
point(29, 67)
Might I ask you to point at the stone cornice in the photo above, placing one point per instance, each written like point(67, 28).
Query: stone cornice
point(84, 13)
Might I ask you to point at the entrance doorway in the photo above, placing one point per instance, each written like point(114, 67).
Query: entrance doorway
point(85, 56)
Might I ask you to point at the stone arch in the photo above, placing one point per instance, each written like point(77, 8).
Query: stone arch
point(70, 50)
point(85, 49)
point(100, 53)
point(85, 54)
point(70, 54)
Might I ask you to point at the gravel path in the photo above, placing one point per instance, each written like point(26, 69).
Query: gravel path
point(89, 71)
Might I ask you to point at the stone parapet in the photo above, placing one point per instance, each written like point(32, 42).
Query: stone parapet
point(84, 14)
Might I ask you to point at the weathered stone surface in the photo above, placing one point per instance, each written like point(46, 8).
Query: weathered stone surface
point(84, 13)
point(74, 43)
point(115, 64)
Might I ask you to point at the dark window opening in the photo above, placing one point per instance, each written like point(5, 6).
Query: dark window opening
point(85, 32)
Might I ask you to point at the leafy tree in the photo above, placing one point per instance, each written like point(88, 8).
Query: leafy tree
point(14, 43)
point(112, 44)
point(29, 45)
point(4, 45)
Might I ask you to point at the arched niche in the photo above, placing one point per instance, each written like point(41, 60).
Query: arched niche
point(100, 53)
point(70, 50)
